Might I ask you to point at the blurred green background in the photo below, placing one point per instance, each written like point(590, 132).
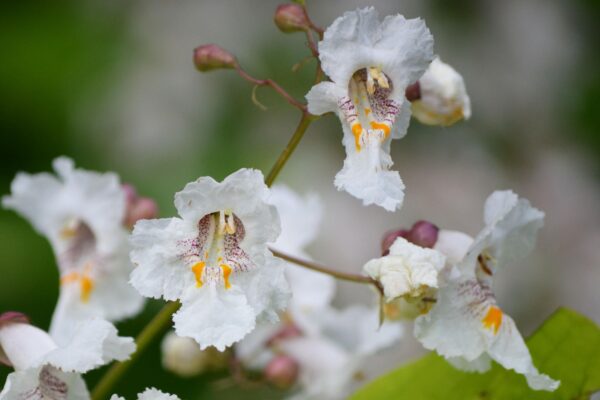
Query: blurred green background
point(112, 85)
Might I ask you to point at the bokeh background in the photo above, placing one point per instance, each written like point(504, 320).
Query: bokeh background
point(112, 85)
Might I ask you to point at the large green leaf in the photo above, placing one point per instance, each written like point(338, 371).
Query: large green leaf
point(566, 347)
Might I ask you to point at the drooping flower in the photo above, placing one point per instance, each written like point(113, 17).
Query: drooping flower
point(214, 259)
point(466, 324)
point(300, 220)
point(149, 394)
point(46, 371)
point(370, 64)
point(81, 213)
point(443, 97)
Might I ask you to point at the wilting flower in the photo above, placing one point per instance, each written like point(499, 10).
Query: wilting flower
point(443, 96)
point(183, 356)
point(81, 213)
point(150, 394)
point(214, 259)
point(46, 371)
point(370, 64)
point(466, 325)
point(407, 271)
point(300, 220)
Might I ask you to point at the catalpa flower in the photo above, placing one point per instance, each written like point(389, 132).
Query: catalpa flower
point(214, 259)
point(443, 98)
point(149, 394)
point(81, 213)
point(466, 325)
point(370, 64)
point(46, 370)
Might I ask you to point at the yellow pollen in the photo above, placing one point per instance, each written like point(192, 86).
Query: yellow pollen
point(493, 319)
point(198, 270)
point(357, 131)
point(384, 127)
point(226, 273)
point(86, 284)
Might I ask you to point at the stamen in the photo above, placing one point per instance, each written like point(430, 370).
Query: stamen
point(230, 226)
point(226, 269)
point(221, 228)
point(69, 229)
point(493, 319)
point(198, 270)
point(375, 74)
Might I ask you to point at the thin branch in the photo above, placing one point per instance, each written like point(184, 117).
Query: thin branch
point(269, 82)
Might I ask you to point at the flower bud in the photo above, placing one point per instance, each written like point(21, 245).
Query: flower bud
point(210, 56)
point(423, 234)
point(443, 97)
point(389, 239)
point(182, 356)
point(291, 18)
point(136, 207)
point(287, 332)
point(413, 92)
point(282, 372)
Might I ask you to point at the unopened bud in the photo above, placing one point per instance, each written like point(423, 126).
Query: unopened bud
point(413, 92)
point(291, 18)
point(210, 56)
point(183, 356)
point(136, 207)
point(13, 317)
point(287, 332)
point(389, 239)
point(282, 372)
point(424, 234)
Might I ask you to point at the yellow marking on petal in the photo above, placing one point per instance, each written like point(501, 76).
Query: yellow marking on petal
point(493, 319)
point(367, 111)
point(384, 127)
point(86, 284)
point(357, 132)
point(206, 254)
point(69, 278)
point(198, 270)
point(226, 273)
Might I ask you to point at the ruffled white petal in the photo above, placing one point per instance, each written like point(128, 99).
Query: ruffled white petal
point(44, 382)
point(453, 244)
point(95, 343)
point(215, 316)
point(408, 269)
point(155, 394)
point(323, 98)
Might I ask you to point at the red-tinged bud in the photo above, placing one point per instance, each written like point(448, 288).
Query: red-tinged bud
point(13, 317)
point(210, 56)
point(423, 233)
point(291, 18)
point(413, 92)
point(282, 372)
point(287, 332)
point(136, 207)
point(389, 239)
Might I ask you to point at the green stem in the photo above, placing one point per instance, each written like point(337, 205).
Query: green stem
point(155, 327)
point(291, 146)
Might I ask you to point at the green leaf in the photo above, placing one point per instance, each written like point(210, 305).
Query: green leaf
point(566, 347)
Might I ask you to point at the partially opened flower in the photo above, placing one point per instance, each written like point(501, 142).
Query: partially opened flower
point(443, 96)
point(370, 64)
point(300, 220)
point(149, 394)
point(214, 259)
point(466, 325)
point(45, 370)
point(81, 213)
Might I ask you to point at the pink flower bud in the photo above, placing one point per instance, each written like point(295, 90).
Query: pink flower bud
point(291, 18)
point(389, 238)
point(413, 92)
point(287, 332)
point(210, 56)
point(136, 207)
point(282, 372)
point(423, 234)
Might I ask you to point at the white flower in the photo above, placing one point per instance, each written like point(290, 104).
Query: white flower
point(407, 271)
point(214, 259)
point(444, 99)
point(300, 220)
point(183, 356)
point(333, 348)
point(149, 394)
point(466, 325)
point(81, 213)
point(370, 64)
point(45, 370)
